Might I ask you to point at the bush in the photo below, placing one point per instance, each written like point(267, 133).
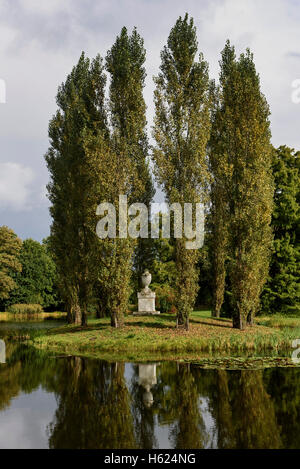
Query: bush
point(25, 309)
point(165, 299)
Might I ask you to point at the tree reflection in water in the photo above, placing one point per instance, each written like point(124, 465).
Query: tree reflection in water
point(156, 405)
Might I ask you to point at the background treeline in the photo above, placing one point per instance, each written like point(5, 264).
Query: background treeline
point(28, 273)
point(212, 144)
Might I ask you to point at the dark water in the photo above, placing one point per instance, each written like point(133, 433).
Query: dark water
point(72, 402)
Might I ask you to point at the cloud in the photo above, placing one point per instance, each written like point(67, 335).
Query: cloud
point(294, 55)
point(15, 186)
point(41, 40)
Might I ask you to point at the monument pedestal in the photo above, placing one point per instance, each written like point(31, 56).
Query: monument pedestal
point(146, 304)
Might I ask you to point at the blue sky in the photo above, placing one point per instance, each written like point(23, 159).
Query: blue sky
point(40, 41)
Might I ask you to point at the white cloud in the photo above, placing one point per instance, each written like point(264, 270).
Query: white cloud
point(15, 186)
point(40, 41)
point(44, 6)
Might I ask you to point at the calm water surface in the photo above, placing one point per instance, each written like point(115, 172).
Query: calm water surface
point(70, 402)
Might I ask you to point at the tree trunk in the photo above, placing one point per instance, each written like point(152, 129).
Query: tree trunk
point(84, 317)
point(238, 322)
point(218, 294)
point(187, 323)
point(70, 317)
point(102, 309)
point(215, 313)
point(77, 314)
point(180, 320)
point(116, 320)
point(250, 319)
point(219, 256)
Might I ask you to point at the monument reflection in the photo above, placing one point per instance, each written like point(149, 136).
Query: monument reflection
point(147, 379)
point(99, 404)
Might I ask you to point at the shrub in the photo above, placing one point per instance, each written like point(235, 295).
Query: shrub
point(165, 299)
point(25, 309)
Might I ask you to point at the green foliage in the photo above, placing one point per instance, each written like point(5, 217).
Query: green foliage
point(10, 246)
point(92, 159)
point(127, 169)
point(125, 64)
point(204, 267)
point(181, 132)
point(162, 266)
point(80, 118)
point(25, 309)
point(240, 155)
point(36, 283)
point(282, 291)
point(165, 299)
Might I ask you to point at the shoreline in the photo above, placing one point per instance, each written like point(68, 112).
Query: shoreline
point(156, 339)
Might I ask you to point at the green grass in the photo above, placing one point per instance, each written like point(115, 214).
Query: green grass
point(279, 321)
point(149, 338)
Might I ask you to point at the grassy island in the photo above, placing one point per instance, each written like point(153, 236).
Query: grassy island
point(149, 338)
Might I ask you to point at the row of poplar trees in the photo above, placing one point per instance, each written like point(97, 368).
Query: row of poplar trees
point(212, 145)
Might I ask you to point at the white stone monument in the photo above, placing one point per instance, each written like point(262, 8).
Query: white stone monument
point(146, 298)
point(147, 379)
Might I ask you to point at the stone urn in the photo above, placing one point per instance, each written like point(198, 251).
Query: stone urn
point(146, 279)
point(146, 297)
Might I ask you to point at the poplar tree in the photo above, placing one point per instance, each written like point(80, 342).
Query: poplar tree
point(130, 170)
point(241, 156)
point(221, 142)
point(81, 114)
point(181, 132)
point(112, 174)
point(125, 64)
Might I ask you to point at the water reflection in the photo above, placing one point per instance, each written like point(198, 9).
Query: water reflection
point(115, 405)
point(2, 351)
point(147, 379)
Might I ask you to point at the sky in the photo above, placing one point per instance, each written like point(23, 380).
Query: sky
point(41, 40)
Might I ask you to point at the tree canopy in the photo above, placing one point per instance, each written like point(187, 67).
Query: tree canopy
point(10, 246)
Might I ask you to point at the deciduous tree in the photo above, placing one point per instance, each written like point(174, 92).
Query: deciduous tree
point(181, 131)
point(36, 283)
point(241, 156)
point(10, 246)
point(282, 291)
point(81, 114)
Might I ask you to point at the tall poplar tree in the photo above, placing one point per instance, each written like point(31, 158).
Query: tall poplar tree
point(112, 174)
point(181, 131)
point(220, 167)
point(129, 145)
point(125, 64)
point(240, 155)
point(80, 116)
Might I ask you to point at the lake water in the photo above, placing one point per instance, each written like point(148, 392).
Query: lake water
point(47, 401)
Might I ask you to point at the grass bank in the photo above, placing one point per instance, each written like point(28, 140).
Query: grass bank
point(5, 316)
point(149, 338)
